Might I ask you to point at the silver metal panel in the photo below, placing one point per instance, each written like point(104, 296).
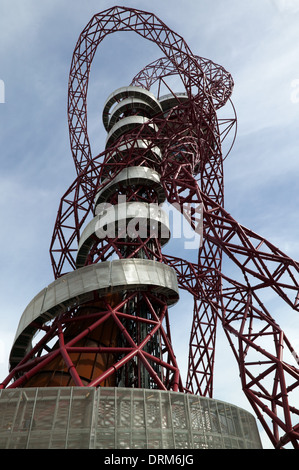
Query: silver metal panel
point(142, 144)
point(125, 92)
point(169, 101)
point(125, 105)
point(152, 152)
point(75, 287)
point(33, 309)
point(96, 278)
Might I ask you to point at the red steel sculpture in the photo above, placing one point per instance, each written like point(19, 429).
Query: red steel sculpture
point(164, 147)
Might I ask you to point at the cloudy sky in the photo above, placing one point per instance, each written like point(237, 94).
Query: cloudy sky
point(256, 41)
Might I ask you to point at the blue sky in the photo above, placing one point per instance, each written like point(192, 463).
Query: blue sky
point(256, 41)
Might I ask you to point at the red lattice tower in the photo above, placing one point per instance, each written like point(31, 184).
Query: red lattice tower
point(188, 135)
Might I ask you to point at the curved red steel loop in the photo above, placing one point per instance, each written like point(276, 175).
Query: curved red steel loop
point(219, 80)
point(112, 20)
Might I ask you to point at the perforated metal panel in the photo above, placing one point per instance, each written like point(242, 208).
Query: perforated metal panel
point(120, 418)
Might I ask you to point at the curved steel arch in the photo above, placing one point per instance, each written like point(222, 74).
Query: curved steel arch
point(112, 20)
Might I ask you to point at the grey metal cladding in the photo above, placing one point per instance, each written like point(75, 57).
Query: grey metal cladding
point(125, 92)
point(126, 125)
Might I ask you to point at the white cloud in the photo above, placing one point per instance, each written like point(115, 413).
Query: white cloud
point(286, 6)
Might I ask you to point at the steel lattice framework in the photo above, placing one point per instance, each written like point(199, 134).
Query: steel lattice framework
point(190, 137)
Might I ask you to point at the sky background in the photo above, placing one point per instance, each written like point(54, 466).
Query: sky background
point(256, 41)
